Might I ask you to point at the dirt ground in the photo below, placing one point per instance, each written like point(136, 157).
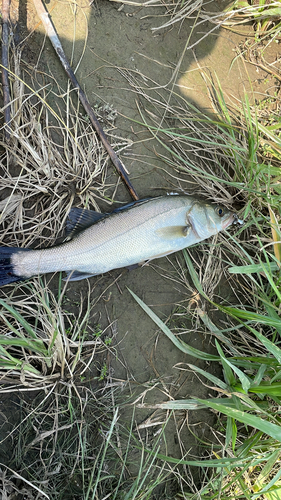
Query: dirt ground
point(102, 40)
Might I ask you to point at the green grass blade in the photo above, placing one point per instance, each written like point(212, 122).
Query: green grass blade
point(193, 274)
point(273, 389)
point(275, 492)
point(259, 375)
point(182, 346)
point(252, 316)
point(228, 373)
point(209, 376)
point(21, 365)
point(266, 427)
point(108, 437)
point(270, 346)
point(244, 449)
point(252, 268)
point(216, 331)
point(245, 381)
point(265, 472)
point(8, 362)
point(194, 404)
point(34, 345)
point(230, 463)
point(19, 318)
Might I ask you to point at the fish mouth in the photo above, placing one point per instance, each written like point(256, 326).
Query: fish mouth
point(231, 219)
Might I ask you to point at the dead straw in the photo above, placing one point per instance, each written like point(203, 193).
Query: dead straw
point(5, 62)
point(51, 32)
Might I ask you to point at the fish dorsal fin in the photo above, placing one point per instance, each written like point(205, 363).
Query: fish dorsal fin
point(130, 205)
point(80, 219)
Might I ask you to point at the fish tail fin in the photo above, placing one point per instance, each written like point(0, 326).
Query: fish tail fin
point(6, 267)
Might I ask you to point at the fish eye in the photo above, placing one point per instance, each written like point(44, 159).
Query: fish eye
point(220, 211)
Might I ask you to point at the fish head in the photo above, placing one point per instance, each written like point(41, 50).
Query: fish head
point(208, 219)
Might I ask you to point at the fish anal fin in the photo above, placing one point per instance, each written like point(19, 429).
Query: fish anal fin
point(80, 219)
point(77, 276)
point(171, 232)
point(134, 266)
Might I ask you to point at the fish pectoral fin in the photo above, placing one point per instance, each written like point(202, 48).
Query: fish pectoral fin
point(77, 276)
point(192, 226)
point(80, 219)
point(171, 232)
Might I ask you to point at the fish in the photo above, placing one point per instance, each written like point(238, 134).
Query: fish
point(130, 235)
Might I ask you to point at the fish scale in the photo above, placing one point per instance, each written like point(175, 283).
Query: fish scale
point(144, 231)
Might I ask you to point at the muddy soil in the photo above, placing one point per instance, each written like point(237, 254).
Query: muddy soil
point(101, 40)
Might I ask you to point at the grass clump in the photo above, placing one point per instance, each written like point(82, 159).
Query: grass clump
point(74, 445)
point(264, 15)
point(247, 398)
point(41, 342)
point(234, 159)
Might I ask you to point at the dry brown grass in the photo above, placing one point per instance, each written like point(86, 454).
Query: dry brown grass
point(52, 161)
point(200, 153)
